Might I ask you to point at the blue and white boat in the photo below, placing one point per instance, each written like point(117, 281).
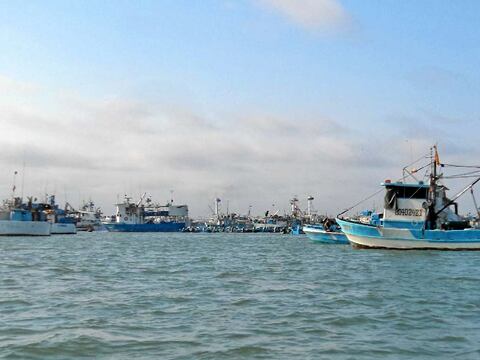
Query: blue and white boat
point(17, 219)
point(87, 218)
point(60, 221)
point(318, 233)
point(418, 215)
point(296, 228)
point(136, 217)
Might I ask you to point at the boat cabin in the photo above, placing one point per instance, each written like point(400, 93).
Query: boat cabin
point(405, 204)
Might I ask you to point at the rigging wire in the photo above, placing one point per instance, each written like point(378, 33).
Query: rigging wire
point(461, 175)
point(461, 166)
point(360, 202)
point(427, 156)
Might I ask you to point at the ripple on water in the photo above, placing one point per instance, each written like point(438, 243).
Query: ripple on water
point(227, 296)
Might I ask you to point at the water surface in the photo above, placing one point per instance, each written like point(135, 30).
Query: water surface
point(233, 296)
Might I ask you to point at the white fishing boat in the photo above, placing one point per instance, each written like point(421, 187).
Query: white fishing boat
point(88, 218)
point(18, 221)
point(317, 233)
point(419, 215)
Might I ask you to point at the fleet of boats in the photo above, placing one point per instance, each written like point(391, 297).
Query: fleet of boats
point(417, 214)
point(33, 218)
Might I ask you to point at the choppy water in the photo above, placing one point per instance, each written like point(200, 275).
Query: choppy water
point(228, 296)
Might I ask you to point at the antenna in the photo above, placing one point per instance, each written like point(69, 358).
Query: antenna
point(217, 206)
point(309, 205)
point(14, 187)
point(23, 177)
point(171, 196)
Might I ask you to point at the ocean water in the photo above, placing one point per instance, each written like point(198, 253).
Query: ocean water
point(233, 296)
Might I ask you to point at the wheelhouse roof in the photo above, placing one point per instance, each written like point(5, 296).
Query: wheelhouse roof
point(400, 184)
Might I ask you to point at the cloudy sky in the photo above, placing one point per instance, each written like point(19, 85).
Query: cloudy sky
point(253, 101)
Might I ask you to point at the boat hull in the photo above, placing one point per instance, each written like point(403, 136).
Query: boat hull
point(90, 228)
point(159, 227)
point(317, 234)
point(25, 228)
point(368, 236)
point(60, 228)
point(297, 230)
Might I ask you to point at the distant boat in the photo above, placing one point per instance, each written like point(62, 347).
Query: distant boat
point(419, 215)
point(63, 228)
point(297, 229)
point(329, 234)
point(136, 217)
point(17, 220)
point(58, 219)
point(88, 218)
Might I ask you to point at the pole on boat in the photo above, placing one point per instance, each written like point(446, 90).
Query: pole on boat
point(432, 215)
point(475, 202)
point(23, 179)
point(14, 187)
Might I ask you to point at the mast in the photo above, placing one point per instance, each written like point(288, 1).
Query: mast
point(14, 187)
point(432, 216)
point(23, 179)
point(475, 203)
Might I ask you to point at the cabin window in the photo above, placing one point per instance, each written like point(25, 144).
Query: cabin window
point(390, 199)
point(406, 192)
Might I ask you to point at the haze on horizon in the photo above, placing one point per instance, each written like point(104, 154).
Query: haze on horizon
point(252, 101)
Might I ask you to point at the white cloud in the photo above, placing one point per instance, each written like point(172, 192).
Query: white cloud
point(98, 148)
point(9, 85)
point(103, 147)
point(317, 15)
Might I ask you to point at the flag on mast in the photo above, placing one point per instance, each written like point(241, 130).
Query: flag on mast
point(437, 158)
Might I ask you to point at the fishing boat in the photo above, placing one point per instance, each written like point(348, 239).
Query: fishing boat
point(418, 214)
point(17, 219)
point(140, 217)
point(88, 218)
point(318, 233)
point(59, 219)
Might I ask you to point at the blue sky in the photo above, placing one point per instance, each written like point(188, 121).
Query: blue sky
point(284, 95)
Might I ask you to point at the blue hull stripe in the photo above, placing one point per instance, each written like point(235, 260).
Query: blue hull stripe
point(326, 237)
point(160, 227)
point(433, 236)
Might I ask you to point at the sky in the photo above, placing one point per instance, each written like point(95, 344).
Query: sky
point(252, 101)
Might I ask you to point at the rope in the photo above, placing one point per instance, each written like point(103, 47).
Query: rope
point(367, 198)
point(379, 191)
point(462, 166)
point(401, 179)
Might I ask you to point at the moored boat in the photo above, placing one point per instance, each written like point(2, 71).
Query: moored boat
point(88, 218)
point(61, 223)
point(15, 219)
point(418, 215)
point(63, 228)
point(318, 233)
point(136, 217)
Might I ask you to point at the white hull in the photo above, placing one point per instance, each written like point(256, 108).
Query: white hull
point(328, 237)
point(31, 228)
point(58, 228)
point(404, 244)
point(91, 227)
